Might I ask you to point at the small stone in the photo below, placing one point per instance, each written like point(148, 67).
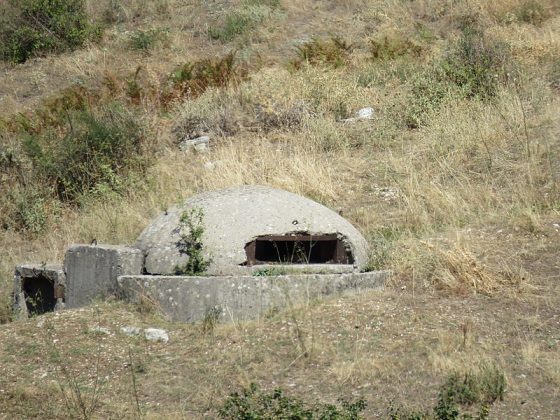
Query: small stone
point(365, 114)
point(99, 330)
point(131, 330)
point(156, 334)
point(200, 144)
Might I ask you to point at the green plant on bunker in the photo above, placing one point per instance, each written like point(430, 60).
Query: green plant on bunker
point(191, 231)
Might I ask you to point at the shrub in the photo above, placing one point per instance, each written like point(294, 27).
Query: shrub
point(191, 230)
point(554, 74)
point(144, 40)
point(241, 20)
point(252, 403)
point(533, 12)
point(29, 211)
point(458, 392)
point(333, 52)
point(474, 68)
point(390, 47)
point(428, 91)
point(476, 64)
point(94, 152)
point(31, 27)
point(193, 78)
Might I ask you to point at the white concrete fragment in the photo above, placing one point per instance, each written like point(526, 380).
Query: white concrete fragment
point(99, 330)
point(199, 144)
point(128, 330)
point(156, 334)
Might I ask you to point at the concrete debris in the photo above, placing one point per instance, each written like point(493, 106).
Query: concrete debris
point(156, 334)
point(199, 144)
point(100, 330)
point(131, 330)
point(363, 114)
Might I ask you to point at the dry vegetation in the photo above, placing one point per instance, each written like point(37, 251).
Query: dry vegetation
point(454, 182)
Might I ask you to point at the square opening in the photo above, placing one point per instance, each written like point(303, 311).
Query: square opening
point(39, 293)
point(298, 248)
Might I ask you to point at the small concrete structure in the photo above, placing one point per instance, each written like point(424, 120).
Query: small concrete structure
point(267, 248)
point(38, 289)
point(239, 298)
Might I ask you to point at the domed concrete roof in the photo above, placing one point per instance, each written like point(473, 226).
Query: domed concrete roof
point(235, 217)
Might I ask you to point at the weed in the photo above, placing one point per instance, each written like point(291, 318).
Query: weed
point(476, 64)
point(473, 69)
point(533, 12)
point(211, 318)
point(391, 47)
point(191, 231)
point(253, 403)
point(193, 78)
point(94, 152)
point(333, 52)
point(242, 20)
point(44, 26)
point(429, 91)
point(29, 211)
point(460, 391)
point(269, 272)
point(554, 74)
point(382, 241)
point(145, 40)
point(71, 388)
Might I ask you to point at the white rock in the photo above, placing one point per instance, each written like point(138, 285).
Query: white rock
point(365, 114)
point(156, 334)
point(99, 330)
point(200, 144)
point(131, 330)
point(362, 114)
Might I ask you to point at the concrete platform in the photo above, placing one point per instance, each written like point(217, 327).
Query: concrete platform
point(237, 298)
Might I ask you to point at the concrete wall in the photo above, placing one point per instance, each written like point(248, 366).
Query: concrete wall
point(189, 299)
point(92, 271)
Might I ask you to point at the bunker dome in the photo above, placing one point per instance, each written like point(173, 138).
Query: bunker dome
point(248, 226)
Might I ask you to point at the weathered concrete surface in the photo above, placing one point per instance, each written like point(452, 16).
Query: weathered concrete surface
point(52, 274)
point(92, 271)
point(233, 298)
point(236, 216)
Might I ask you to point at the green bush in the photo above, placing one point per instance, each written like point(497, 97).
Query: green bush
point(460, 391)
point(193, 78)
point(473, 68)
point(252, 403)
point(145, 40)
point(533, 12)
point(96, 152)
point(391, 47)
point(191, 230)
point(31, 27)
point(334, 52)
point(554, 74)
point(476, 64)
point(239, 21)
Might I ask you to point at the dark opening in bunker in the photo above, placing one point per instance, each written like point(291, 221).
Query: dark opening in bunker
point(39, 294)
point(298, 248)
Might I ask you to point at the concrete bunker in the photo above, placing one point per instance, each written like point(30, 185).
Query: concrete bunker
point(247, 233)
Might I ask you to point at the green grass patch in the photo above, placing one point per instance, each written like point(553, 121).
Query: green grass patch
point(36, 27)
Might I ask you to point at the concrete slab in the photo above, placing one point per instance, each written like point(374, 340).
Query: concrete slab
point(237, 298)
point(92, 271)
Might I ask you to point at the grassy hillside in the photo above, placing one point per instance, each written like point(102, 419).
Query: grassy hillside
point(454, 182)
